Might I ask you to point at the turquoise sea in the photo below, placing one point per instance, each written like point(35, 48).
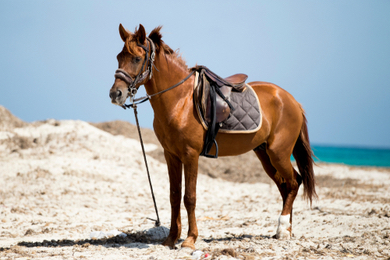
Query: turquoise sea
point(352, 155)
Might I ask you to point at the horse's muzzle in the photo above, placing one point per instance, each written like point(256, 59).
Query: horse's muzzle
point(118, 95)
point(114, 95)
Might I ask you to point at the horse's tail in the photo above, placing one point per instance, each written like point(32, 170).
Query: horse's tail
point(304, 157)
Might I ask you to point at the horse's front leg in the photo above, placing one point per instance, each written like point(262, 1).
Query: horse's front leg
point(191, 175)
point(175, 179)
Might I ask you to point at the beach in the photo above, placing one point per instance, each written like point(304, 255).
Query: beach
point(72, 190)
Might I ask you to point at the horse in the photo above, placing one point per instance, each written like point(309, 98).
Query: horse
point(149, 61)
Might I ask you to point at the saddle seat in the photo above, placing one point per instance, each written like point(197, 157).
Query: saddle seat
point(237, 79)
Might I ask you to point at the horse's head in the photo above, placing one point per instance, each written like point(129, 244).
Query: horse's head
point(135, 63)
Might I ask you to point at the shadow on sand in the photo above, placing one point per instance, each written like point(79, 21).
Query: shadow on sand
point(140, 239)
point(132, 240)
point(233, 237)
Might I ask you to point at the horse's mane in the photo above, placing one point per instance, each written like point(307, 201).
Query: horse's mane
point(156, 37)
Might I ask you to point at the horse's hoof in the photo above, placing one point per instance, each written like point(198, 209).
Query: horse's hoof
point(169, 243)
point(186, 250)
point(283, 235)
point(188, 244)
point(284, 228)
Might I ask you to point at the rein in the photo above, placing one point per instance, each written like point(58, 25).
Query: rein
point(157, 222)
point(147, 97)
point(123, 75)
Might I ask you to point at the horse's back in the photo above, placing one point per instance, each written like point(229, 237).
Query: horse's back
point(273, 96)
point(268, 89)
point(279, 107)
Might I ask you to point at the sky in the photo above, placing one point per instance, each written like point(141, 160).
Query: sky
point(58, 58)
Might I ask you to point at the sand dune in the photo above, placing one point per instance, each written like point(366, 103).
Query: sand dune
point(60, 181)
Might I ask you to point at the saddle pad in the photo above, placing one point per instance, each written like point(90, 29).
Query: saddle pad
point(246, 116)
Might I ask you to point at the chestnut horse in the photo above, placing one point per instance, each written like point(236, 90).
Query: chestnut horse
point(150, 62)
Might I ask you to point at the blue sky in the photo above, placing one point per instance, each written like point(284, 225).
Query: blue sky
point(58, 58)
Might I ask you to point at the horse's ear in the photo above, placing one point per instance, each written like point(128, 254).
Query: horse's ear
point(140, 34)
point(123, 32)
point(156, 36)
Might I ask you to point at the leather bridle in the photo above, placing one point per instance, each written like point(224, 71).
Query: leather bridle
point(132, 83)
point(147, 65)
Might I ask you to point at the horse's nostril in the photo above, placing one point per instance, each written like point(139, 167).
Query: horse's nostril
point(115, 94)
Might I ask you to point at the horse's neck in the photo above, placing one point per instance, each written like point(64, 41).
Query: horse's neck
point(169, 73)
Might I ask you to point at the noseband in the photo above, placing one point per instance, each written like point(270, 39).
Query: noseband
point(148, 63)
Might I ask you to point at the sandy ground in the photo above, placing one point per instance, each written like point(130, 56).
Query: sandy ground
point(61, 181)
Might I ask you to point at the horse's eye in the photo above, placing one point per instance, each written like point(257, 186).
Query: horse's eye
point(136, 59)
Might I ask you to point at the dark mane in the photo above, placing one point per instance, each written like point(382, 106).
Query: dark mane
point(156, 37)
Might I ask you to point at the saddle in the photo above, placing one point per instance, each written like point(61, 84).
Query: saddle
point(212, 95)
point(208, 80)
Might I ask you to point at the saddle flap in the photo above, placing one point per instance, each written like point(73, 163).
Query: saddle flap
point(222, 108)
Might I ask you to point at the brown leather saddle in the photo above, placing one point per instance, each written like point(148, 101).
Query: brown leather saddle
point(206, 79)
point(211, 96)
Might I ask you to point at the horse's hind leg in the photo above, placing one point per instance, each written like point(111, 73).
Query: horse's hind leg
point(278, 166)
point(175, 179)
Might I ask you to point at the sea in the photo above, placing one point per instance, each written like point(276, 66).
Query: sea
point(354, 156)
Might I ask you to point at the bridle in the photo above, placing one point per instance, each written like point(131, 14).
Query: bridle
point(148, 63)
point(132, 83)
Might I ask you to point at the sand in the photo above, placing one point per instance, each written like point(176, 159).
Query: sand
point(64, 182)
